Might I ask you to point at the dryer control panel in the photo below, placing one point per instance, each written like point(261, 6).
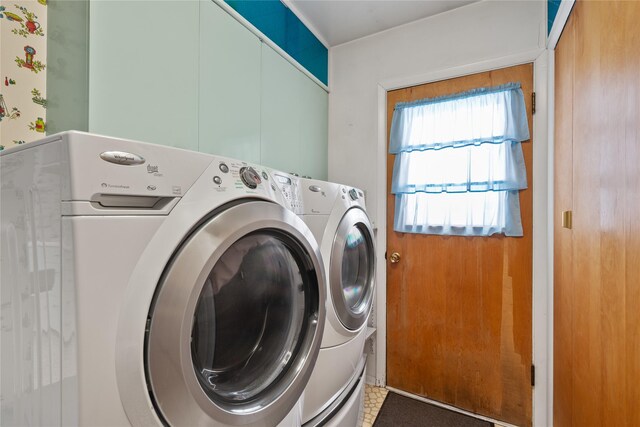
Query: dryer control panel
point(352, 196)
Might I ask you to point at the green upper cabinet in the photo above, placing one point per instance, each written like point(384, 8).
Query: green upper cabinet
point(67, 66)
point(314, 130)
point(281, 83)
point(144, 70)
point(229, 86)
point(294, 119)
point(187, 74)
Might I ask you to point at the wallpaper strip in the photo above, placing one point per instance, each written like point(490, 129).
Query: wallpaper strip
point(23, 47)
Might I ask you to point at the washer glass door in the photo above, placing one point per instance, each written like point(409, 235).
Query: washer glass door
point(353, 269)
point(249, 318)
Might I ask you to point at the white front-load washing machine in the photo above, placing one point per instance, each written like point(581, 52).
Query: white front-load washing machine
point(147, 285)
point(336, 215)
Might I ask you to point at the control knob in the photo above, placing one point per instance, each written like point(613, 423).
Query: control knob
point(250, 177)
point(353, 194)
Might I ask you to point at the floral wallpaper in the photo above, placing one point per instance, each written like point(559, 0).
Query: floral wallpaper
point(23, 47)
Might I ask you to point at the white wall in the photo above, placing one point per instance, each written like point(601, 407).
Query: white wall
point(474, 33)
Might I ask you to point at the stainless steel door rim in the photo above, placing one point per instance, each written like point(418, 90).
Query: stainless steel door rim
point(174, 384)
point(352, 315)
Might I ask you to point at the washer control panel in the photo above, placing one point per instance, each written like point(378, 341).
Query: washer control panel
point(290, 187)
point(236, 175)
point(250, 177)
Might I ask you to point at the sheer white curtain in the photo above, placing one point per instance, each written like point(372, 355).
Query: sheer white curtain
point(459, 163)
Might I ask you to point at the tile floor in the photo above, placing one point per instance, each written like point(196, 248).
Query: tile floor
point(373, 398)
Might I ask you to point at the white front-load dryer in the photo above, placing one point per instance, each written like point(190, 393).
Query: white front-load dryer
point(336, 214)
point(146, 285)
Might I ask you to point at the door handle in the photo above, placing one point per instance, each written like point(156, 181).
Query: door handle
point(394, 258)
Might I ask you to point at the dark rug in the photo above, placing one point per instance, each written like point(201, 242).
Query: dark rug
point(403, 411)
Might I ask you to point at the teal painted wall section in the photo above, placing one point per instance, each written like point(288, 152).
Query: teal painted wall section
point(552, 11)
point(286, 30)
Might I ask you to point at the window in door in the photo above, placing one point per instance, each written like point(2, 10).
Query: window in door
point(459, 164)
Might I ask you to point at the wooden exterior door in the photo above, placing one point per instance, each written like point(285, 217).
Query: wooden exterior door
point(597, 257)
point(459, 308)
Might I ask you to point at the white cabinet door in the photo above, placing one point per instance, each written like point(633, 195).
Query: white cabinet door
point(143, 70)
point(229, 95)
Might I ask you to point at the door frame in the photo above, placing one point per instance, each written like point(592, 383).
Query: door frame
point(542, 284)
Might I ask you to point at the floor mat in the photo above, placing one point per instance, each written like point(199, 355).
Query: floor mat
point(403, 411)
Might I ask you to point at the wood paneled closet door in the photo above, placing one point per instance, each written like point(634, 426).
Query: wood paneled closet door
point(459, 308)
point(597, 177)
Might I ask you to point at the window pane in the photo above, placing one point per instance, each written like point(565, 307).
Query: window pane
point(459, 162)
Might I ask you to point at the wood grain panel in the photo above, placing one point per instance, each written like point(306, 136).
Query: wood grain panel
point(459, 308)
point(597, 300)
point(632, 211)
point(563, 238)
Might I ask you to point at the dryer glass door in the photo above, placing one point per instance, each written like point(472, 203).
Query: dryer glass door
point(248, 321)
point(353, 269)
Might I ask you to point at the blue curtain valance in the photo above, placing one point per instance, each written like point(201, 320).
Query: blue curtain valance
point(459, 214)
point(485, 115)
point(489, 167)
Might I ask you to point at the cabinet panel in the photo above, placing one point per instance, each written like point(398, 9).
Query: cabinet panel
point(67, 71)
point(143, 65)
point(564, 292)
point(229, 100)
point(281, 114)
point(596, 317)
point(313, 131)
point(294, 119)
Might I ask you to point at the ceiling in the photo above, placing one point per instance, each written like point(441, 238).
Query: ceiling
point(340, 21)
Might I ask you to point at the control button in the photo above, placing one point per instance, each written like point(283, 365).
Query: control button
point(250, 177)
point(344, 190)
point(151, 187)
point(265, 176)
point(217, 180)
point(224, 168)
point(353, 194)
point(315, 188)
